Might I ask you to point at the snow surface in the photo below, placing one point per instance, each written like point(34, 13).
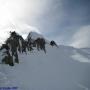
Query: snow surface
point(34, 35)
point(63, 68)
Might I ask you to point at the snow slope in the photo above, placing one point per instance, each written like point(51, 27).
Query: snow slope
point(63, 68)
point(34, 35)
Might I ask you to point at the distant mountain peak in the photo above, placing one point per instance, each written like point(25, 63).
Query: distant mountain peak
point(34, 35)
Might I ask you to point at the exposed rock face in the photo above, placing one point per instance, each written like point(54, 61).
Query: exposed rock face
point(53, 43)
point(16, 44)
point(36, 40)
point(40, 44)
point(12, 45)
point(7, 56)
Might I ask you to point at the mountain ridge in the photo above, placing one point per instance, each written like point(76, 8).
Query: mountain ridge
point(61, 68)
point(15, 44)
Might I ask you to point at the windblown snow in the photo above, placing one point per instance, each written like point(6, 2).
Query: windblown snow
point(63, 68)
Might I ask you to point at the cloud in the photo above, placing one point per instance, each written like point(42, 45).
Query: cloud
point(14, 16)
point(51, 17)
point(21, 28)
point(81, 38)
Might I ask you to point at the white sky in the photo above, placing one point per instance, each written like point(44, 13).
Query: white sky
point(12, 14)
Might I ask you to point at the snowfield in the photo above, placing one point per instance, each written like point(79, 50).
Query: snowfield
point(63, 68)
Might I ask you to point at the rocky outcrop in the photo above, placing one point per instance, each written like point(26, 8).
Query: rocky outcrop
point(16, 44)
point(53, 43)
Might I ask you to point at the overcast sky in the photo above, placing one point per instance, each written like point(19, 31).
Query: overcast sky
point(65, 21)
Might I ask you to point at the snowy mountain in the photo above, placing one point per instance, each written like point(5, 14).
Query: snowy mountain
point(61, 68)
point(34, 35)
